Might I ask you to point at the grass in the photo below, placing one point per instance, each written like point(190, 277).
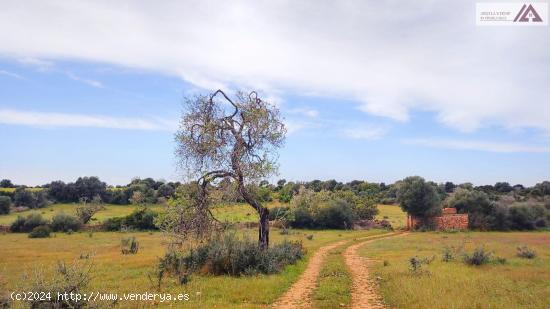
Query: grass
point(114, 272)
point(334, 282)
point(392, 213)
point(519, 283)
point(48, 212)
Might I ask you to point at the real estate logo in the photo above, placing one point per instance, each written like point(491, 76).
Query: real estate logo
point(512, 14)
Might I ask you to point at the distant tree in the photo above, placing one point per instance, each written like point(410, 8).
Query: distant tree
point(87, 210)
point(165, 190)
point(138, 198)
point(541, 189)
point(418, 198)
point(88, 187)
point(5, 204)
point(449, 187)
point(23, 197)
point(6, 183)
point(280, 183)
point(475, 203)
point(503, 187)
point(215, 143)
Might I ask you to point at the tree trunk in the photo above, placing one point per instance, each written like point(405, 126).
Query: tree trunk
point(263, 233)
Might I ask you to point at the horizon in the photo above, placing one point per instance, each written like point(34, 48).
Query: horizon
point(369, 91)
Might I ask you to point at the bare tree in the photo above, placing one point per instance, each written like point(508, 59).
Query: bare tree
point(223, 138)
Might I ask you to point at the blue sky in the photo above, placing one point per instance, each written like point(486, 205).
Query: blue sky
point(367, 93)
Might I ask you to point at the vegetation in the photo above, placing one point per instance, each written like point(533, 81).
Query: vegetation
point(520, 283)
point(418, 197)
point(129, 245)
point(41, 231)
point(62, 222)
point(27, 224)
point(236, 145)
point(5, 204)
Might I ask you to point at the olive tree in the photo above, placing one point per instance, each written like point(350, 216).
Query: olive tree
point(418, 197)
point(230, 138)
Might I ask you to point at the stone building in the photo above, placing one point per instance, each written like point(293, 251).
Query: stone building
point(448, 220)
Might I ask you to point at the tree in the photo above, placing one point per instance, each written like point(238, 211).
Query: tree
point(503, 187)
point(5, 203)
point(6, 183)
point(239, 143)
point(88, 187)
point(418, 198)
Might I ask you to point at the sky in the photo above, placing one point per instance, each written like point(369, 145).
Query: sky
point(371, 90)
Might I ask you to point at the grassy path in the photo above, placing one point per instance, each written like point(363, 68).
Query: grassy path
point(363, 291)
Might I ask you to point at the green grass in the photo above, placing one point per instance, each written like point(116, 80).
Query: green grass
point(110, 211)
point(519, 283)
point(392, 213)
point(334, 282)
point(114, 272)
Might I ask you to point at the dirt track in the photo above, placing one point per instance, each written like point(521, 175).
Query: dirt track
point(363, 291)
point(300, 293)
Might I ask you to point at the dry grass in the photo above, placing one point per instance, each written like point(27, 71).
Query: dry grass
point(519, 283)
point(392, 213)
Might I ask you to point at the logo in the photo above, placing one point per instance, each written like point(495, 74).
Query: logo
point(512, 14)
point(526, 15)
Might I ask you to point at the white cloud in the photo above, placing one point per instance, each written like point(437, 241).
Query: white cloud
point(368, 132)
point(11, 74)
point(390, 57)
point(90, 82)
point(308, 112)
point(486, 146)
point(41, 119)
point(41, 65)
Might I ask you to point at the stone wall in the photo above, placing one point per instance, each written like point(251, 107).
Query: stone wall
point(449, 220)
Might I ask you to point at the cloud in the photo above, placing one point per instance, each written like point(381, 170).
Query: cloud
point(485, 146)
point(366, 132)
point(308, 112)
point(90, 82)
point(41, 65)
point(41, 119)
point(391, 58)
point(10, 74)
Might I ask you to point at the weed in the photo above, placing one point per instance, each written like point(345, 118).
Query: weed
point(526, 253)
point(129, 245)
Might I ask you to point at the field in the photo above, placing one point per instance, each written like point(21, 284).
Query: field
point(114, 272)
point(519, 283)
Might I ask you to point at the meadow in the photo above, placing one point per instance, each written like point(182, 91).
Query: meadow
point(117, 273)
point(518, 283)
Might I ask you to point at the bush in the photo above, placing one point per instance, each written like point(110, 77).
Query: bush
point(5, 204)
point(129, 245)
point(141, 219)
point(480, 256)
point(338, 214)
point(279, 213)
point(62, 222)
point(65, 279)
point(416, 264)
point(228, 255)
point(525, 217)
point(113, 224)
point(302, 218)
point(25, 225)
point(526, 253)
point(42, 231)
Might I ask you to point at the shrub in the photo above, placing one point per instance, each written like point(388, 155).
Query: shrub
point(526, 253)
point(141, 219)
point(5, 203)
point(478, 257)
point(113, 224)
point(66, 278)
point(85, 212)
point(338, 214)
point(416, 264)
point(302, 218)
point(25, 225)
point(42, 231)
point(129, 245)
point(62, 222)
point(279, 213)
point(228, 255)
